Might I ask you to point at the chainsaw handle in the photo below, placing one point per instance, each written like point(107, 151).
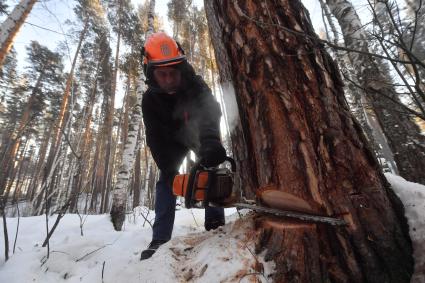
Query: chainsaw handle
point(232, 163)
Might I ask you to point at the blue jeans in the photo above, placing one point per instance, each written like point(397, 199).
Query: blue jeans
point(165, 205)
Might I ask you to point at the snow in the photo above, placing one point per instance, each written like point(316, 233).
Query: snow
point(413, 197)
point(226, 254)
point(193, 254)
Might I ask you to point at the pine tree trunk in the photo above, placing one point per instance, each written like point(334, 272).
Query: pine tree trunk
point(301, 139)
point(15, 170)
point(10, 27)
point(15, 140)
point(22, 176)
point(39, 167)
point(61, 122)
point(124, 171)
point(239, 145)
point(402, 133)
point(84, 153)
point(94, 177)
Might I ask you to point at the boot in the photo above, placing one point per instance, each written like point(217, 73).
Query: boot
point(153, 246)
point(212, 225)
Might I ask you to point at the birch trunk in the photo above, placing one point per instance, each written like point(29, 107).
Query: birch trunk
point(119, 201)
point(10, 27)
point(301, 139)
point(109, 125)
point(404, 138)
point(137, 175)
point(361, 106)
point(385, 17)
point(417, 14)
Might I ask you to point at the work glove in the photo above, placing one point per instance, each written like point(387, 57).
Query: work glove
point(212, 153)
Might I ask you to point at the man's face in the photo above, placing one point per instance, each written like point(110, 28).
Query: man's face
point(168, 79)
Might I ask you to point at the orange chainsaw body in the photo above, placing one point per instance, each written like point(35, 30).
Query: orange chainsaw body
point(181, 182)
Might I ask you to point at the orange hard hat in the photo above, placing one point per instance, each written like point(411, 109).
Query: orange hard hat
point(162, 50)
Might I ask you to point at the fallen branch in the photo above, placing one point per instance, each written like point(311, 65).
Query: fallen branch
point(194, 219)
point(82, 221)
point(17, 227)
point(103, 269)
point(146, 219)
point(258, 265)
point(92, 252)
point(60, 215)
point(98, 249)
point(6, 237)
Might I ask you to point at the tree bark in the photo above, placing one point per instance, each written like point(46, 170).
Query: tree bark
point(10, 27)
point(301, 139)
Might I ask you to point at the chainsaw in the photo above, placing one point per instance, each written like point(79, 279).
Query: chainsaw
point(205, 186)
point(213, 186)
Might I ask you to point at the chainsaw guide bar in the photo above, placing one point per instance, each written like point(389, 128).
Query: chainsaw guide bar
point(293, 214)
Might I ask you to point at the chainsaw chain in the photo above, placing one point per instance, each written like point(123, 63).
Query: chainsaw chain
point(294, 214)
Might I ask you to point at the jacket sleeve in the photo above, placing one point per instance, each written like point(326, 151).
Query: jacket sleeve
point(168, 155)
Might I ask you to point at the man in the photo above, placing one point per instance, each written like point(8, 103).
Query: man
point(179, 113)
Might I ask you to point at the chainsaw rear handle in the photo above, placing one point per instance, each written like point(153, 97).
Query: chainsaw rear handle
point(198, 164)
point(232, 163)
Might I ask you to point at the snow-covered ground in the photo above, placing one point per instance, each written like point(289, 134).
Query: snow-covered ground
point(224, 255)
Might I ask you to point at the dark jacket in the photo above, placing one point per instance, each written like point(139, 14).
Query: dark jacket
point(178, 122)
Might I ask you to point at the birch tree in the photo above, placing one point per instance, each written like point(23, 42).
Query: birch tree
point(416, 28)
point(129, 154)
point(398, 37)
point(359, 102)
point(403, 134)
point(11, 26)
point(301, 139)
